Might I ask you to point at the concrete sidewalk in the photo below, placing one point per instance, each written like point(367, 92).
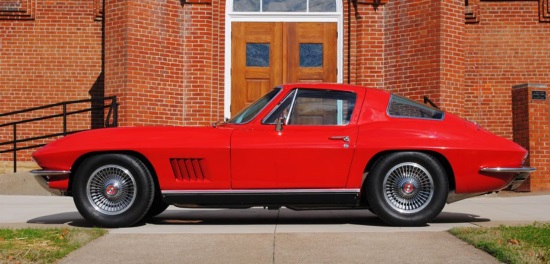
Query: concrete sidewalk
point(404, 247)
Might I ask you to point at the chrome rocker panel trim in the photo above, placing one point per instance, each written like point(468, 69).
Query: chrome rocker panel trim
point(263, 197)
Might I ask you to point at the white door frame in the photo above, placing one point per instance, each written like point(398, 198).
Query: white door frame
point(231, 17)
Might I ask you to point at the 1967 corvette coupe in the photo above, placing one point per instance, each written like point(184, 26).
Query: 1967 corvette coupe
point(303, 146)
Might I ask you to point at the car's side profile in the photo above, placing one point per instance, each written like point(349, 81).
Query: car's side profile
point(303, 146)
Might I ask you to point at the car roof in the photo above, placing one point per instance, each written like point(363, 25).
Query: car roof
point(331, 86)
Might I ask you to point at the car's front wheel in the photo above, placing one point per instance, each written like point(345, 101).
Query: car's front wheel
point(157, 207)
point(407, 188)
point(113, 190)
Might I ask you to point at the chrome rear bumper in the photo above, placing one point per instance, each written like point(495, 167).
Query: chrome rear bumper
point(520, 174)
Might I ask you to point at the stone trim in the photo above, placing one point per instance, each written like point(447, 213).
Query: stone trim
point(472, 11)
point(534, 85)
point(544, 10)
point(17, 9)
point(98, 10)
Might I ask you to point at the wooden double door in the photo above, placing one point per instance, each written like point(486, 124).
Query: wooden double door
point(266, 54)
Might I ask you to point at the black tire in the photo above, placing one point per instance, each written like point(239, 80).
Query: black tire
point(113, 190)
point(407, 188)
point(157, 207)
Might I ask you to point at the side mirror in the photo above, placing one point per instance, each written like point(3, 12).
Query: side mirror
point(280, 123)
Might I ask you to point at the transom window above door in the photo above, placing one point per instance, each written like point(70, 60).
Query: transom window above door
point(304, 6)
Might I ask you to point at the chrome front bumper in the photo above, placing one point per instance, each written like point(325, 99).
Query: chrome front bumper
point(42, 177)
point(50, 172)
point(520, 174)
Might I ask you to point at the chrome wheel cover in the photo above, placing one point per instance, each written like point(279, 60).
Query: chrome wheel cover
point(111, 189)
point(408, 187)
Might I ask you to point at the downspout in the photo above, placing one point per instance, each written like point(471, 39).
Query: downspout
point(349, 38)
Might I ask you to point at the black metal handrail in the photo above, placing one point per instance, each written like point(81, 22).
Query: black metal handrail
point(111, 120)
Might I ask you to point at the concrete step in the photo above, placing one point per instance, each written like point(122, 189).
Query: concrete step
point(21, 183)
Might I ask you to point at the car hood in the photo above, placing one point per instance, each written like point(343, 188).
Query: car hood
point(139, 136)
point(137, 139)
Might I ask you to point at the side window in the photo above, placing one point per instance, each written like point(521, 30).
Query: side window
point(282, 110)
point(315, 108)
point(403, 107)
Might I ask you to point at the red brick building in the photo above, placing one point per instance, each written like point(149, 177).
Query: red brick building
point(193, 62)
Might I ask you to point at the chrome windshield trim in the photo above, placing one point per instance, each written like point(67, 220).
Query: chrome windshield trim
point(508, 170)
point(251, 191)
point(277, 90)
point(270, 114)
point(50, 172)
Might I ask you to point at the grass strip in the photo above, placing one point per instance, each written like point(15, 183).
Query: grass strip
point(43, 245)
point(510, 244)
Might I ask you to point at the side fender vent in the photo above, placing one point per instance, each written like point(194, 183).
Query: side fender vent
point(189, 169)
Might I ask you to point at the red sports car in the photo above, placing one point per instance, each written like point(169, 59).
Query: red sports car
point(303, 146)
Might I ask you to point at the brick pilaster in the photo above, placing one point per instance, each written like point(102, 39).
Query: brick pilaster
point(531, 123)
point(159, 61)
point(424, 51)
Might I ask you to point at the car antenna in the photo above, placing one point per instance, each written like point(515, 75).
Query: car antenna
point(427, 100)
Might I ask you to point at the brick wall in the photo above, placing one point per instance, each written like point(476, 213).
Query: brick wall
point(49, 52)
point(508, 46)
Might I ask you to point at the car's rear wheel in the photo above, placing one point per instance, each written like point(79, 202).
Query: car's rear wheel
point(407, 188)
point(113, 190)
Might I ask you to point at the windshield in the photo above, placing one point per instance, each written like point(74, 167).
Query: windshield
point(251, 111)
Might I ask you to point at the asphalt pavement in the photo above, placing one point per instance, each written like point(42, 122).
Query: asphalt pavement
point(259, 235)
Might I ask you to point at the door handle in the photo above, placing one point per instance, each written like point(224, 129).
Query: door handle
point(343, 138)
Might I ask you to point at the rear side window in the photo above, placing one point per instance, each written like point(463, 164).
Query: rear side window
point(403, 107)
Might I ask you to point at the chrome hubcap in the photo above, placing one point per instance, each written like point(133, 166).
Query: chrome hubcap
point(408, 187)
point(111, 189)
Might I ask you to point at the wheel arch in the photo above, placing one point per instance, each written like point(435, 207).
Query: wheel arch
point(442, 160)
point(139, 156)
